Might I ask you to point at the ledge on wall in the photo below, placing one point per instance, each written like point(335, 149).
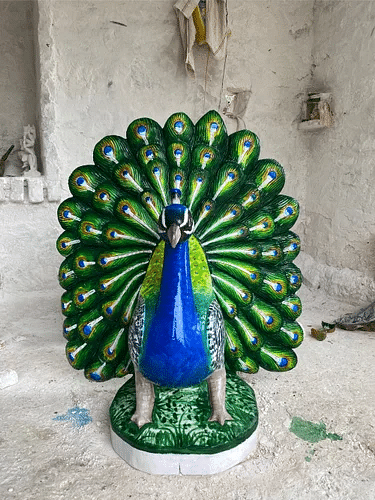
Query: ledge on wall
point(29, 189)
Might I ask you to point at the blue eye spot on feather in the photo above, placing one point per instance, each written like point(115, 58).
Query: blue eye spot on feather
point(178, 126)
point(269, 320)
point(199, 179)
point(231, 175)
point(125, 208)
point(81, 263)
point(289, 210)
point(214, 126)
point(147, 199)
point(253, 276)
point(177, 153)
point(63, 276)
point(108, 150)
point(81, 297)
point(95, 376)
point(265, 225)
point(113, 234)
point(245, 296)
point(277, 287)
point(103, 286)
point(234, 212)
point(254, 341)
point(294, 308)
point(109, 351)
point(208, 207)
point(295, 337)
point(247, 144)
point(283, 362)
point(272, 174)
point(231, 311)
point(294, 246)
point(125, 173)
point(253, 251)
point(149, 154)
point(253, 197)
point(294, 279)
point(87, 329)
point(207, 156)
point(66, 213)
point(63, 244)
point(241, 231)
point(156, 170)
point(80, 181)
point(178, 177)
point(141, 130)
point(88, 228)
point(109, 310)
point(103, 261)
point(71, 357)
point(103, 196)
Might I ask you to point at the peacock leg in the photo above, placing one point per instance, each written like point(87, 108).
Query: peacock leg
point(145, 398)
point(216, 389)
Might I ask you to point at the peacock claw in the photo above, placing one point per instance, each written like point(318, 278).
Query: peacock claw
point(140, 420)
point(220, 416)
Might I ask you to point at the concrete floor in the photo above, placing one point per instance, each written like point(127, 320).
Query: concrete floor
point(47, 459)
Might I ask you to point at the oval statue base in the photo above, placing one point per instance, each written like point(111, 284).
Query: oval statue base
point(181, 440)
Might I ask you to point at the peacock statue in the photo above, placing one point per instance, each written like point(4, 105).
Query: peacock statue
point(179, 260)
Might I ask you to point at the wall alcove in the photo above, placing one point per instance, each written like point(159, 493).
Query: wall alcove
point(21, 89)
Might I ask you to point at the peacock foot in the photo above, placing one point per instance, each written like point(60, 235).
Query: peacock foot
point(217, 388)
point(145, 399)
point(140, 419)
point(220, 415)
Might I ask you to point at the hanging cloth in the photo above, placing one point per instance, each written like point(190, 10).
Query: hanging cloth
point(216, 28)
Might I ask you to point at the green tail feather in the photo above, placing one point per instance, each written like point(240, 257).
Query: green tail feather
point(178, 155)
point(67, 243)
point(243, 148)
point(83, 182)
point(179, 127)
point(110, 151)
point(67, 277)
point(210, 130)
point(143, 132)
point(129, 176)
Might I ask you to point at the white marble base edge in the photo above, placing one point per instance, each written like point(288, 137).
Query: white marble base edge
point(186, 464)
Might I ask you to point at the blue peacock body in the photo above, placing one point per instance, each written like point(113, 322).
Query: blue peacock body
point(179, 256)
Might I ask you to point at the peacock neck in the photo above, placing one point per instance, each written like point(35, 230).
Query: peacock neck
point(176, 298)
point(174, 352)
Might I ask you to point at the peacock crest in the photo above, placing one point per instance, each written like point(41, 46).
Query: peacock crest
point(236, 220)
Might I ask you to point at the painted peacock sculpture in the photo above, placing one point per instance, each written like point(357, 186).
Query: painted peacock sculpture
point(178, 260)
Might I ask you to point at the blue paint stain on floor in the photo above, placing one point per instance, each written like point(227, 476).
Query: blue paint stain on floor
point(78, 416)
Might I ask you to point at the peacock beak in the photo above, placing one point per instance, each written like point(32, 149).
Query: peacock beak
point(174, 234)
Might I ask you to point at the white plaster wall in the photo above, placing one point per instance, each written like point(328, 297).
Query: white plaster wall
point(340, 224)
point(97, 76)
point(17, 75)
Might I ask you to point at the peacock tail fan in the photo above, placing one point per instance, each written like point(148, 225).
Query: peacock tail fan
point(242, 223)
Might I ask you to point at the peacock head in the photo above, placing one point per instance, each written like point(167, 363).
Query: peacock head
point(176, 223)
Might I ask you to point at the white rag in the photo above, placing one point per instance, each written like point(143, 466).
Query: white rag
point(216, 28)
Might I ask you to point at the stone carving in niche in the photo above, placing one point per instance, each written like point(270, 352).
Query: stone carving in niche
point(27, 153)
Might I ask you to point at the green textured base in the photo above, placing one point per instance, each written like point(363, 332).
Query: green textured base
point(180, 419)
